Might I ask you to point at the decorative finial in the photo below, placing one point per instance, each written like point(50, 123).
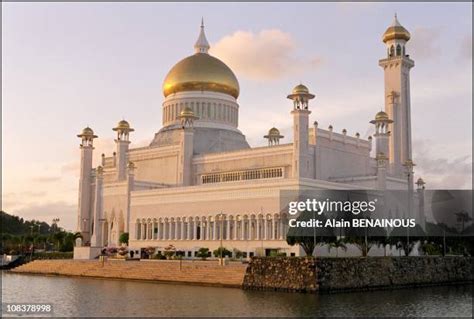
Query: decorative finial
point(202, 46)
point(202, 21)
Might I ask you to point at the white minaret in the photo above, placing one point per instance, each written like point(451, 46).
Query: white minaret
point(397, 67)
point(84, 203)
point(96, 238)
point(185, 174)
point(301, 159)
point(122, 141)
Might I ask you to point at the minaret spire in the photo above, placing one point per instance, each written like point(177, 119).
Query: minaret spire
point(202, 46)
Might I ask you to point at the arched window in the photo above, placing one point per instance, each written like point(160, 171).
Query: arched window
point(399, 50)
point(392, 51)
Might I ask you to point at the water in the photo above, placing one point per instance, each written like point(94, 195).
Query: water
point(95, 297)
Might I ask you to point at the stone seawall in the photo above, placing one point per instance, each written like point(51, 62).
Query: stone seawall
point(336, 274)
point(198, 272)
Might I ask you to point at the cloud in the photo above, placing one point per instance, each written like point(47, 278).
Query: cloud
point(442, 172)
point(266, 55)
point(46, 179)
point(424, 43)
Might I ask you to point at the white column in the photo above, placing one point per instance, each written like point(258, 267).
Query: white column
point(281, 227)
point(265, 228)
point(214, 229)
point(189, 229)
point(228, 229)
point(242, 223)
point(258, 229)
point(235, 228)
point(182, 230)
point(165, 233)
point(176, 228)
point(194, 229)
point(143, 234)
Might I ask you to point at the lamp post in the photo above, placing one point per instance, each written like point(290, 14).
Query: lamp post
point(221, 233)
point(409, 172)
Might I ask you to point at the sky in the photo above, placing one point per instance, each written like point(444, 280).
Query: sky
point(69, 65)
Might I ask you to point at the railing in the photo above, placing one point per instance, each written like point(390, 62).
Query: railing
point(242, 175)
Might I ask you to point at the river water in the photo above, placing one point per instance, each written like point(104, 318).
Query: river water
point(94, 297)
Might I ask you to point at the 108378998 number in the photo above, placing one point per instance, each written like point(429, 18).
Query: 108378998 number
point(27, 308)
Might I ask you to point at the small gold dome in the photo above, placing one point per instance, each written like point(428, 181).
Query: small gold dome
point(87, 132)
point(381, 116)
point(273, 131)
point(186, 112)
point(420, 182)
point(201, 72)
point(300, 88)
point(396, 31)
point(123, 125)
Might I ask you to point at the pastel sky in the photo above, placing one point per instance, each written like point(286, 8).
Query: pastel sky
point(68, 65)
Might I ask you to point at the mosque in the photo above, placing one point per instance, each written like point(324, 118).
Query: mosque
point(199, 183)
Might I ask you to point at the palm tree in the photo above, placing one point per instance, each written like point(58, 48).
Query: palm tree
point(338, 243)
point(463, 217)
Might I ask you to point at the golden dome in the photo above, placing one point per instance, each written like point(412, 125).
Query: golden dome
point(123, 125)
point(300, 88)
point(396, 31)
point(381, 117)
point(87, 132)
point(187, 112)
point(201, 72)
point(273, 131)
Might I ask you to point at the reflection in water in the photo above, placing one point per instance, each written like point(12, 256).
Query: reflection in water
point(91, 297)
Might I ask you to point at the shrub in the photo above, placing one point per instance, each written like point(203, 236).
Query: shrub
point(203, 253)
point(53, 255)
point(222, 251)
point(238, 253)
point(123, 239)
point(170, 251)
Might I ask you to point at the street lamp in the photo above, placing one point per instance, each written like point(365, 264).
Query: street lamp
point(409, 173)
point(221, 231)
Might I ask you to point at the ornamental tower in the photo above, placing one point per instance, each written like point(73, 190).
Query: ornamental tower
point(84, 203)
point(397, 67)
point(122, 141)
point(301, 159)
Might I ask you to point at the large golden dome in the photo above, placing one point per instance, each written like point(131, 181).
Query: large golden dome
point(201, 72)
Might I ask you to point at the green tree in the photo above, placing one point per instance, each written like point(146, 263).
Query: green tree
point(123, 239)
point(309, 237)
point(338, 243)
point(203, 253)
point(405, 239)
point(222, 251)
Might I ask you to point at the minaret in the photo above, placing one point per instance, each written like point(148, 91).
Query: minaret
point(382, 134)
point(301, 159)
point(84, 205)
point(96, 239)
point(185, 174)
point(202, 45)
point(130, 188)
point(123, 129)
point(397, 67)
point(273, 136)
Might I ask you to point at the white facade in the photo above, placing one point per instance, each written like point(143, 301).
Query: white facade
point(175, 190)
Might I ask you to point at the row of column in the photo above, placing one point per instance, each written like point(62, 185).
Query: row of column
point(213, 111)
point(273, 228)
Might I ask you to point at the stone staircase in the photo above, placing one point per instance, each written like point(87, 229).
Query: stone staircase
point(197, 272)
